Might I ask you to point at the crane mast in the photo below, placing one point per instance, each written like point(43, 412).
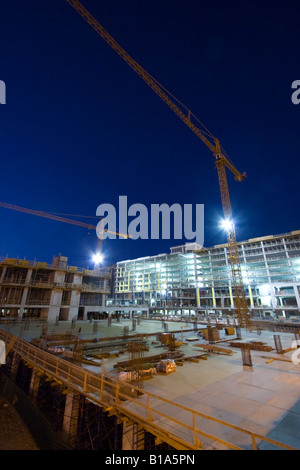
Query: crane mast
point(222, 162)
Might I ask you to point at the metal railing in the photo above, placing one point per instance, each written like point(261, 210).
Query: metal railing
point(52, 284)
point(155, 413)
point(94, 288)
point(106, 272)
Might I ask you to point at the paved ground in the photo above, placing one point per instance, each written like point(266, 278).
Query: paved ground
point(264, 398)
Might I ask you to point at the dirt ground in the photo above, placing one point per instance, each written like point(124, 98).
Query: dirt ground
point(14, 434)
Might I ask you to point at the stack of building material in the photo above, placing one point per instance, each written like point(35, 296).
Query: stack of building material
point(165, 338)
point(166, 366)
point(256, 345)
point(210, 334)
point(213, 348)
point(147, 373)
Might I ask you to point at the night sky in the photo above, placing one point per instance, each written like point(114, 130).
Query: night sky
point(80, 128)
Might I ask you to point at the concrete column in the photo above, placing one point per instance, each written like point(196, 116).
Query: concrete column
point(297, 296)
point(84, 313)
point(28, 276)
point(55, 304)
point(127, 437)
point(34, 385)
point(289, 260)
point(23, 302)
point(3, 273)
point(266, 261)
point(273, 298)
point(105, 296)
point(74, 305)
point(70, 420)
point(25, 292)
point(133, 437)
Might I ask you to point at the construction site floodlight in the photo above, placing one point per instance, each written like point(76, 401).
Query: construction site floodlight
point(227, 224)
point(98, 258)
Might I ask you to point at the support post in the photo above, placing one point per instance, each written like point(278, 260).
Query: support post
point(70, 420)
point(34, 385)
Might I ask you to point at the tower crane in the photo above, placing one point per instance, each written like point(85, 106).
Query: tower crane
point(99, 228)
point(221, 160)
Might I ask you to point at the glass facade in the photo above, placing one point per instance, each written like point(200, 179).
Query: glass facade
point(199, 281)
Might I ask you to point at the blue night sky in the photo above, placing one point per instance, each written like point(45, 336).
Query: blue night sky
point(80, 128)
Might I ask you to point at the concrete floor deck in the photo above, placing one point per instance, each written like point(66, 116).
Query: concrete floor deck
point(264, 398)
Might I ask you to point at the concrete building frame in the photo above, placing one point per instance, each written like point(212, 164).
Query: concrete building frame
point(197, 280)
point(30, 289)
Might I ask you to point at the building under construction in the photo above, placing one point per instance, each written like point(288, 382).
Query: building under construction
point(191, 281)
point(56, 291)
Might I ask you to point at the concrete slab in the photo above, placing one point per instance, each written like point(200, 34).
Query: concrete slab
point(242, 407)
point(264, 398)
point(260, 394)
point(283, 437)
point(285, 401)
point(267, 415)
point(290, 425)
